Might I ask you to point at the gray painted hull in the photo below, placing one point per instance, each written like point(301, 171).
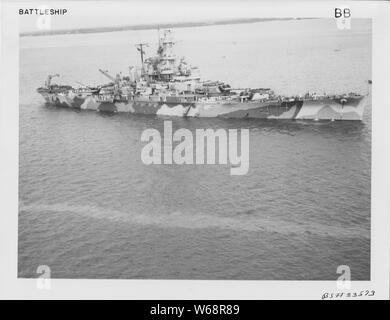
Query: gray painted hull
point(319, 109)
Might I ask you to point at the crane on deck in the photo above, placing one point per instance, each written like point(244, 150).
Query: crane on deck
point(107, 75)
point(48, 80)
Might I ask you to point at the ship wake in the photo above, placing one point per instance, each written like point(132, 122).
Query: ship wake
point(179, 219)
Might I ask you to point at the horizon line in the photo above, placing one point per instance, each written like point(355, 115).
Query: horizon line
point(151, 26)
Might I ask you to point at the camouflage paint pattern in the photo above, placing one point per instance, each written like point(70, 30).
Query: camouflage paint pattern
point(350, 108)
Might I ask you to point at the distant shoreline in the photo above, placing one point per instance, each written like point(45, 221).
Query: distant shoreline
point(154, 26)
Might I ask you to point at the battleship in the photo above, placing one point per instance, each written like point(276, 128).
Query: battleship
point(168, 86)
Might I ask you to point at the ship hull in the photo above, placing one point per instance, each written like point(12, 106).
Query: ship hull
point(311, 109)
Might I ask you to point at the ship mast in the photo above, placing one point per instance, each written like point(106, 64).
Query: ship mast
point(140, 48)
point(158, 34)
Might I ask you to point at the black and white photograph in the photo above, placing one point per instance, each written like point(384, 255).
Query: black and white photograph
point(171, 141)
